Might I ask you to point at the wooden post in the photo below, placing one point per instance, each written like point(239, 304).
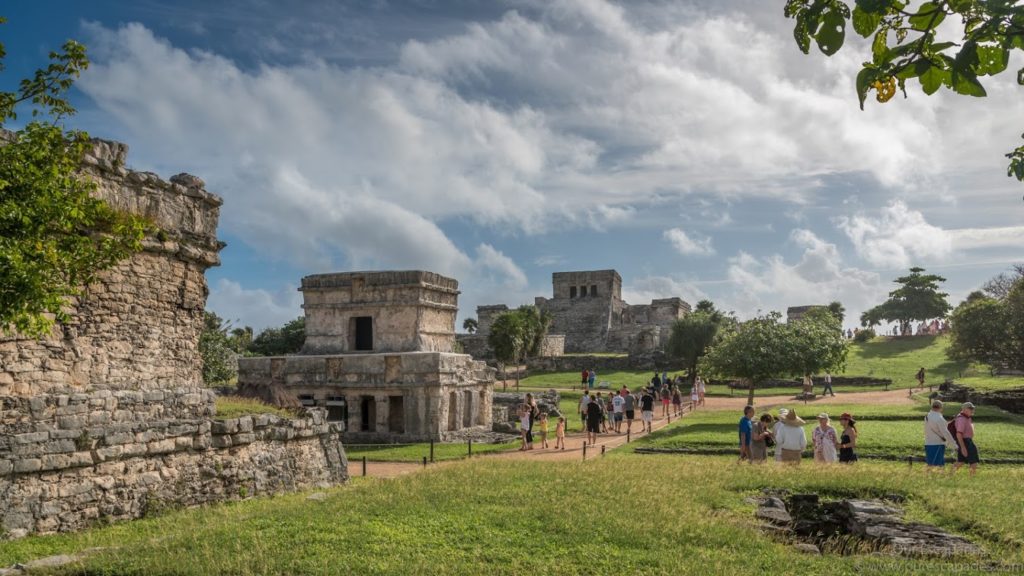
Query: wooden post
point(364, 465)
point(424, 461)
point(628, 434)
point(602, 449)
point(469, 447)
point(431, 450)
point(584, 450)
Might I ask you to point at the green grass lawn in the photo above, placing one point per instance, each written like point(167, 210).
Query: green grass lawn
point(416, 452)
point(623, 514)
point(889, 431)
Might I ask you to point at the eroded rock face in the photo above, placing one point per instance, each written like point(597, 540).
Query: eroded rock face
point(873, 525)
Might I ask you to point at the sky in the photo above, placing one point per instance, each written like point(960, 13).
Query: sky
point(687, 144)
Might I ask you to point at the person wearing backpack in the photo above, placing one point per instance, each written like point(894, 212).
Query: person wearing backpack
point(967, 452)
point(936, 437)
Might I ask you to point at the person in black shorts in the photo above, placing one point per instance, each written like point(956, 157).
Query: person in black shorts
point(647, 410)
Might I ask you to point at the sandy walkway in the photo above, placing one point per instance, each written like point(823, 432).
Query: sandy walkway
point(574, 441)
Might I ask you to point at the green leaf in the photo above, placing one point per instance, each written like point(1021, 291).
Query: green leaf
point(864, 22)
point(880, 45)
point(832, 33)
point(966, 83)
point(928, 17)
point(991, 60)
point(864, 79)
point(933, 79)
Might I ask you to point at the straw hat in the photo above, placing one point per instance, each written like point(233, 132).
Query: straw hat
point(824, 416)
point(847, 416)
point(792, 419)
point(783, 412)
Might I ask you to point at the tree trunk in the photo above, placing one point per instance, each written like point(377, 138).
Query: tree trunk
point(750, 393)
point(504, 377)
point(519, 364)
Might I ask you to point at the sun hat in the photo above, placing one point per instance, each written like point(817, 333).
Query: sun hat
point(793, 419)
point(847, 416)
point(783, 411)
point(967, 405)
point(823, 416)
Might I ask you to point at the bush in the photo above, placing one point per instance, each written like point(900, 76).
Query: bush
point(865, 335)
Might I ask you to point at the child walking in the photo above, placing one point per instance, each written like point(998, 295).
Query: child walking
point(544, 430)
point(560, 434)
point(524, 423)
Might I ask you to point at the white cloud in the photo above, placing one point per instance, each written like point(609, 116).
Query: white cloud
point(981, 238)
point(643, 290)
point(256, 308)
point(689, 245)
point(490, 259)
point(819, 277)
point(897, 237)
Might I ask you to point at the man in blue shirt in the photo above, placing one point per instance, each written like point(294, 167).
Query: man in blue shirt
point(746, 433)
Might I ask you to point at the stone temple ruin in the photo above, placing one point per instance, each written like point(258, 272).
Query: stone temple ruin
point(379, 357)
point(590, 316)
point(107, 417)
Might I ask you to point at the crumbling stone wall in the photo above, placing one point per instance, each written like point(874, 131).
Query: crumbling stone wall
point(138, 326)
point(68, 460)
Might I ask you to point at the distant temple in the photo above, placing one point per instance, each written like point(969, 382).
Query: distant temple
point(590, 316)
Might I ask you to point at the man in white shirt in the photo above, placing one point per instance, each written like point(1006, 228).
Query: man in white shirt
point(618, 403)
point(584, 402)
point(936, 437)
point(828, 385)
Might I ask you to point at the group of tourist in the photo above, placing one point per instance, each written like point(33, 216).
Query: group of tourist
point(787, 436)
point(615, 412)
point(529, 413)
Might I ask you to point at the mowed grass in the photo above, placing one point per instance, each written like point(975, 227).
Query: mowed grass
point(416, 452)
point(884, 431)
point(624, 514)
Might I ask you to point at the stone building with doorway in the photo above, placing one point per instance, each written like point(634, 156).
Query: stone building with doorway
point(379, 356)
point(589, 315)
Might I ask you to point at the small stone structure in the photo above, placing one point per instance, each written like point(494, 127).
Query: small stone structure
point(106, 418)
point(1010, 400)
point(794, 313)
point(588, 311)
point(378, 357)
point(506, 404)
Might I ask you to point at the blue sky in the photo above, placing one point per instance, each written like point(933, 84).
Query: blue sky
point(687, 144)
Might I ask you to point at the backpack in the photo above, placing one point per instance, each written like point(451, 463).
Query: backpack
point(951, 426)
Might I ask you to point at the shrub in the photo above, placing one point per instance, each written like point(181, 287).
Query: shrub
point(865, 335)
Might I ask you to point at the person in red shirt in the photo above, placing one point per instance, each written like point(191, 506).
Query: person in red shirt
point(967, 452)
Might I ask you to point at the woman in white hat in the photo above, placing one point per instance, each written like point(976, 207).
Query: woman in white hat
point(775, 433)
point(825, 440)
point(791, 438)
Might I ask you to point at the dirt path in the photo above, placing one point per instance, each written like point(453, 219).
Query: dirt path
point(574, 441)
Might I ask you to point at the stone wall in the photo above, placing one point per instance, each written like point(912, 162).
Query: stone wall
point(138, 326)
point(69, 460)
point(602, 364)
point(506, 405)
point(1009, 400)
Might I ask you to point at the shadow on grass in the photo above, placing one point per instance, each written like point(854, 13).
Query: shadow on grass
point(896, 346)
point(682, 431)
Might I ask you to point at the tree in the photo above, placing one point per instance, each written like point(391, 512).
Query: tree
point(818, 342)
point(287, 339)
point(470, 325)
point(979, 331)
point(999, 287)
point(754, 350)
point(906, 44)
point(690, 339)
point(837, 310)
point(517, 335)
point(55, 238)
point(917, 298)
point(217, 350)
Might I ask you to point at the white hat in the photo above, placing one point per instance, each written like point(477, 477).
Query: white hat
point(783, 411)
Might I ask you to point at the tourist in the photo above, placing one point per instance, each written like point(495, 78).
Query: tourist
point(600, 403)
point(664, 379)
point(936, 436)
point(618, 404)
point(534, 412)
point(524, 424)
point(825, 440)
point(828, 385)
point(647, 410)
point(677, 402)
point(666, 399)
point(655, 382)
point(848, 441)
point(584, 402)
point(593, 420)
point(628, 408)
point(762, 438)
point(584, 378)
point(560, 434)
point(544, 430)
point(791, 438)
point(746, 433)
point(775, 433)
point(609, 413)
point(701, 391)
point(694, 397)
point(964, 426)
point(592, 378)
point(920, 378)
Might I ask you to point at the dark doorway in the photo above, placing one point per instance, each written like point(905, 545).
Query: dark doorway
point(396, 415)
point(367, 413)
point(593, 290)
point(583, 291)
point(336, 409)
point(572, 291)
point(362, 327)
point(453, 402)
point(467, 409)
